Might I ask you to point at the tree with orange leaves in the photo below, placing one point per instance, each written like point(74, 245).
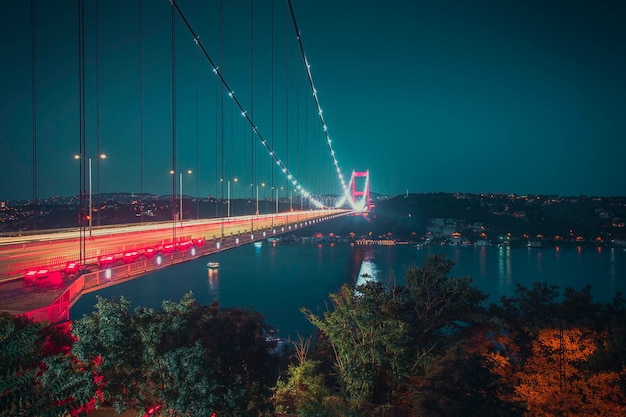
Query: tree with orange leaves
point(552, 383)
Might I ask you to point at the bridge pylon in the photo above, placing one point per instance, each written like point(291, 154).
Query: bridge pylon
point(364, 194)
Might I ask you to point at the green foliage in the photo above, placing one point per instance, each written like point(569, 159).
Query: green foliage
point(109, 342)
point(461, 382)
point(31, 383)
point(379, 336)
point(438, 305)
point(304, 393)
point(369, 341)
point(610, 355)
point(184, 357)
point(529, 309)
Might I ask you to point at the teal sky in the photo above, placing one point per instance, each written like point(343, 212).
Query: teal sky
point(523, 97)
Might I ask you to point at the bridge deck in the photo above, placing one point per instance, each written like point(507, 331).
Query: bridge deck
point(49, 296)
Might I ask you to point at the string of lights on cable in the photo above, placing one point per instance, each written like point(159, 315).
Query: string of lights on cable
point(344, 187)
point(283, 167)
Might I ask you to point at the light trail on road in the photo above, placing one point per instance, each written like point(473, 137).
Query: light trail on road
point(53, 250)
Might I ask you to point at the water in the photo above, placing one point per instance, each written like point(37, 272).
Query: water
point(279, 280)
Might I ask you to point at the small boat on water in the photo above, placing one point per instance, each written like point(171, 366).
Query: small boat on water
point(213, 265)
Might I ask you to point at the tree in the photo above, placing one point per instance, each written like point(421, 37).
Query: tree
point(369, 341)
point(304, 391)
point(438, 307)
point(551, 382)
point(182, 359)
point(110, 342)
point(465, 381)
point(611, 354)
point(379, 336)
point(27, 349)
point(531, 309)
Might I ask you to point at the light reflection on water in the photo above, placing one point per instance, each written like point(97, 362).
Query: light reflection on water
point(504, 268)
point(482, 259)
point(213, 275)
point(278, 280)
point(612, 269)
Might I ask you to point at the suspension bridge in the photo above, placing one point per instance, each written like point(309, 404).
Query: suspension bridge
point(226, 103)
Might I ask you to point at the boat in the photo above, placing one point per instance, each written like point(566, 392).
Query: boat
point(213, 265)
point(258, 243)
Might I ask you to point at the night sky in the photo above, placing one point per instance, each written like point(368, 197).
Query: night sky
point(525, 97)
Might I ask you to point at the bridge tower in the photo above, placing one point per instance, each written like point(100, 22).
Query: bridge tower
point(365, 192)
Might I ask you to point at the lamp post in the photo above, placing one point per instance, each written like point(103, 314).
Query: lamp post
point(100, 156)
point(234, 180)
point(180, 214)
point(263, 187)
point(277, 188)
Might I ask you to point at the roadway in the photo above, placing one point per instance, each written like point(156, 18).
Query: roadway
point(53, 250)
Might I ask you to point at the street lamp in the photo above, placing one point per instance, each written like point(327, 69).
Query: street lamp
point(180, 215)
point(234, 180)
point(277, 188)
point(100, 156)
point(257, 197)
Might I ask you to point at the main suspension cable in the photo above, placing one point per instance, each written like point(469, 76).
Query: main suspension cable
point(244, 113)
point(317, 103)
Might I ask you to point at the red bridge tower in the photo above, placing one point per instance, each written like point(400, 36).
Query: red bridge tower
point(365, 192)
